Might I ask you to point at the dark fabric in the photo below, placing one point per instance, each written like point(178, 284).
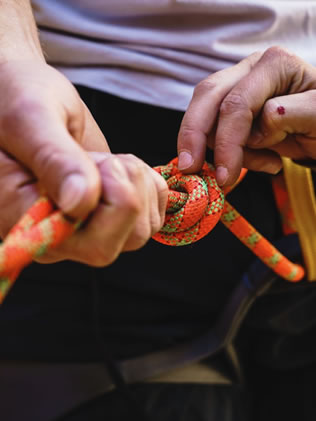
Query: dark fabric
point(279, 330)
point(170, 402)
point(151, 298)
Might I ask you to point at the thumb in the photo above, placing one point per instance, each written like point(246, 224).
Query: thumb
point(64, 170)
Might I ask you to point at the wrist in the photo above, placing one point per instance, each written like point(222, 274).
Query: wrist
point(18, 32)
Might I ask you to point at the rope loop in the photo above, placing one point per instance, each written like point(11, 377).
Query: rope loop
point(195, 204)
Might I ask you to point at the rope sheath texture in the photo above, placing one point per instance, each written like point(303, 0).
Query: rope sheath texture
point(193, 214)
point(195, 205)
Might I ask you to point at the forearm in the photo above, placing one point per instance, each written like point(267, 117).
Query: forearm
point(18, 32)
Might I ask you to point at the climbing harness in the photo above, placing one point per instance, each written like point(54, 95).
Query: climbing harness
point(195, 204)
point(299, 184)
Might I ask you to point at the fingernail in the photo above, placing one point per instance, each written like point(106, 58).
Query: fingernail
point(71, 192)
point(221, 175)
point(185, 160)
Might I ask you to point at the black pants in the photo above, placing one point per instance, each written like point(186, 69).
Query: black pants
point(268, 393)
point(169, 402)
point(59, 327)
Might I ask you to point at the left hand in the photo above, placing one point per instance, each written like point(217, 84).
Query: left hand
point(251, 114)
point(131, 208)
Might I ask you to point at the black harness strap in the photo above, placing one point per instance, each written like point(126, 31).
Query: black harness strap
point(45, 392)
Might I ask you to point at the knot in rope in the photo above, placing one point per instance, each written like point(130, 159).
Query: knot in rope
point(195, 204)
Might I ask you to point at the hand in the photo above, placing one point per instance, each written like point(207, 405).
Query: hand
point(131, 209)
point(251, 114)
point(46, 128)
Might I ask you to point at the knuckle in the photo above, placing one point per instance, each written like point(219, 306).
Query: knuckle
point(134, 166)
point(210, 86)
point(234, 102)
point(278, 52)
point(206, 85)
point(140, 236)
point(281, 55)
point(286, 68)
point(129, 202)
point(187, 134)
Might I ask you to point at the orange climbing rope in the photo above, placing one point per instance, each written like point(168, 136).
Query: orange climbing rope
point(195, 204)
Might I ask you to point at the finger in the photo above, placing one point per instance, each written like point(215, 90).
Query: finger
point(288, 115)
point(292, 147)
point(152, 193)
point(262, 160)
point(156, 194)
point(271, 75)
point(18, 192)
point(104, 235)
point(143, 192)
point(161, 190)
point(40, 140)
point(203, 110)
point(159, 184)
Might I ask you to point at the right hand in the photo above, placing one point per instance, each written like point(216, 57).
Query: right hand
point(131, 210)
point(45, 131)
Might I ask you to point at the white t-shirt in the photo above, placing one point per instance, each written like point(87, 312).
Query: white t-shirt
point(156, 51)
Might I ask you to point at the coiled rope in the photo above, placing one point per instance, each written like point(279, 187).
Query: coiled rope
point(195, 204)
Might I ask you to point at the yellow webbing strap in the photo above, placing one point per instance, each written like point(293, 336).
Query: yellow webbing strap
point(302, 198)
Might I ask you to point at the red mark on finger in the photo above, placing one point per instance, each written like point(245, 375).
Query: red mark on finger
point(281, 110)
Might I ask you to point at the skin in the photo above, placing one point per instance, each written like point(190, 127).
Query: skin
point(46, 132)
point(47, 136)
point(235, 112)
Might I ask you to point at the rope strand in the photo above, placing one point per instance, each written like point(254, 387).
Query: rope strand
point(195, 205)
